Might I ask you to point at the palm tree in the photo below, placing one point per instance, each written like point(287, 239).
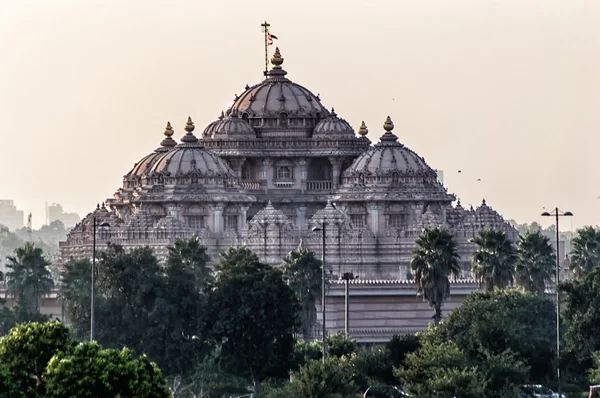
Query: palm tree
point(302, 270)
point(28, 277)
point(434, 259)
point(535, 262)
point(585, 252)
point(190, 254)
point(494, 259)
point(75, 293)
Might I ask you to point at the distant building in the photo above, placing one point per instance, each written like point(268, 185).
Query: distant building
point(10, 216)
point(55, 212)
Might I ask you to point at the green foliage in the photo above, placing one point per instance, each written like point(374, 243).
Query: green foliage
point(504, 320)
point(251, 315)
point(433, 261)
point(26, 351)
point(303, 272)
point(585, 251)
point(443, 370)
point(595, 370)
point(90, 371)
point(373, 367)
point(536, 261)
point(493, 260)
point(140, 305)
point(334, 378)
point(28, 278)
point(581, 316)
point(7, 318)
point(305, 352)
point(75, 292)
point(340, 344)
point(400, 346)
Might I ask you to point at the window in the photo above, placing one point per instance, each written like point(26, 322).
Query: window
point(231, 222)
point(396, 221)
point(196, 222)
point(358, 220)
point(284, 173)
point(246, 175)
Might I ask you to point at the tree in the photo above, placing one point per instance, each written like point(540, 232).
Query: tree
point(334, 378)
point(189, 254)
point(90, 371)
point(494, 259)
point(504, 320)
point(535, 262)
point(581, 315)
point(251, 315)
point(26, 351)
point(141, 305)
point(340, 345)
point(29, 277)
point(585, 251)
point(434, 259)
point(75, 292)
point(303, 272)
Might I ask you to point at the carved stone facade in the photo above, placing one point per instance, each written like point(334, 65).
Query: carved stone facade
point(273, 166)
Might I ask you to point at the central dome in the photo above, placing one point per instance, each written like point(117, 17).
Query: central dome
point(277, 95)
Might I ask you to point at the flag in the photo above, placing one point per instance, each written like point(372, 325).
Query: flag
point(270, 38)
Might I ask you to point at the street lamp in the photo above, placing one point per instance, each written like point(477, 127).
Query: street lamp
point(104, 224)
point(557, 213)
point(322, 229)
point(347, 277)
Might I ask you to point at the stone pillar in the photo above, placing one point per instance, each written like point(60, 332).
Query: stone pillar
point(374, 212)
point(242, 219)
point(218, 217)
point(336, 164)
point(301, 217)
point(266, 172)
point(303, 174)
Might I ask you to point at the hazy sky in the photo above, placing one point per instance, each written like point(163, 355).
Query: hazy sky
point(505, 90)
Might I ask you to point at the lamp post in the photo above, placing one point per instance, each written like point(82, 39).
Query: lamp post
point(104, 224)
point(347, 277)
point(557, 213)
point(322, 229)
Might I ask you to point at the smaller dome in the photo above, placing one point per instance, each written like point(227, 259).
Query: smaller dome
point(144, 165)
point(230, 127)
point(389, 162)
point(331, 126)
point(190, 164)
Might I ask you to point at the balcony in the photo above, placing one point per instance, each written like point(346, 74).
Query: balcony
point(319, 185)
point(252, 185)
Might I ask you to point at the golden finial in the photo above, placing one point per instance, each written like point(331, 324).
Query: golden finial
point(168, 130)
point(388, 125)
point(363, 130)
point(189, 125)
point(277, 59)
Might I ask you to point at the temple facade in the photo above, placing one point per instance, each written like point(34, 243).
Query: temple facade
point(273, 166)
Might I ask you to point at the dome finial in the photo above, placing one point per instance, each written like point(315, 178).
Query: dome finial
point(388, 125)
point(333, 112)
point(222, 116)
point(168, 130)
point(189, 125)
point(363, 130)
point(277, 59)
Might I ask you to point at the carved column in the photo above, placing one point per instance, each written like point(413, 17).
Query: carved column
point(218, 217)
point(303, 174)
point(242, 220)
point(336, 164)
point(374, 211)
point(301, 217)
point(266, 172)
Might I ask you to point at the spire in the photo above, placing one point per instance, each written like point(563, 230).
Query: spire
point(189, 138)
point(222, 116)
point(363, 130)
point(333, 112)
point(277, 59)
point(388, 138)
point(168, 142)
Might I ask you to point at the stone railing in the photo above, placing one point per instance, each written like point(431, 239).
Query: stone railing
point(252, 185)
point(284, 184)
point(319, 185)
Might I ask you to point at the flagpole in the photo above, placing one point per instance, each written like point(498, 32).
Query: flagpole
point(266, 30)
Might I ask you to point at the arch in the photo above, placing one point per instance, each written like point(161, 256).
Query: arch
point(320, 169)
point(283, 119)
